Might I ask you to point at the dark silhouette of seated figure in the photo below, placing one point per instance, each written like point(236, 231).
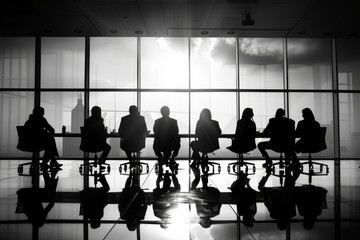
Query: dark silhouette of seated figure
point(244, 139)
point(309, 132)
point(281, 131)
point(93, 136)
point(165, 199)
point(310, 201)
point(132, 204)
point(280, 200)
point(207, 133)
point(132, 131)
point(30, 199)
point(40, 136)
point(93, 202)
point(167, 141)
point(209, 205)
point(245, 197)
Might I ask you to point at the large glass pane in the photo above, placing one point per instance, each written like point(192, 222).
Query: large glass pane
point(321, 105)
point(261, 63)
point(113, 62)
point(164, 63)
point(114, 105)
point(309, 63)
point(349, 124)
point(348, 58)
point(17, 62)
point(15, 108)
point(62, 62)
point(65, 109)
point(212, 63)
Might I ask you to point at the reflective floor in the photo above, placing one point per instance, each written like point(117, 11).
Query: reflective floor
point(338, 217)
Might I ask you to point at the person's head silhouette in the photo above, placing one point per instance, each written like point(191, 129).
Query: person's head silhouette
point(165, 111)
point(205, 222)
point(308, 114)
point(279, 113)
point(96, 111)
point(309, 222)
point(133, 110)
point(38, 111)
point(205, 115)
point(94, 223)
point(164, 224)
point(132, 224)
point(281, 224)
point(247, 113)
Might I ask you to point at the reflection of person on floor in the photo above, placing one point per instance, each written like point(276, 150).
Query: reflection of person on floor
point(245, 197)
point(282, 137)
point(166, 138)
point(30, 199)
point(93, 202)
point(132, 131)
point(132, 205)
point(209, 206)
point(94, 135)
point(165, 198)
point(280, 201)
point(310, 201)
point(43, 134)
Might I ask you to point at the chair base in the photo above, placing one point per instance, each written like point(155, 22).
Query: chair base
point(174, 168)
point(138, 168)
point(236, 168)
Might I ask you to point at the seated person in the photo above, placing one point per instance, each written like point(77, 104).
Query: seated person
point(209, 207)
point(244, 140)
point(93, 202)
point(245, 197)
point(282, 137)
point(42, 134)
point(309, 132)
point(132, 205)
point(167, 141)
point(132, 131)
point(94, 135)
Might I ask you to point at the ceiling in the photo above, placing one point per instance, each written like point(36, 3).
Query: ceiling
point(180, 18)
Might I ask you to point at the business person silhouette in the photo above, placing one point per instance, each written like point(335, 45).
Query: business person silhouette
point(244, 139)
point(166, 139)
point(42, 133)
point(94, 135)
point(309, 132)
point(93, 202)
point(207, 133)
point(245, 197)
point(209, 205)
point(282, 138)
point(132, 131)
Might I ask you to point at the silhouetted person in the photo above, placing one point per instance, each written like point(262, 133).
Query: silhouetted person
point(244, 139)
point(245, 197)
point(281, 131)
point(165, 199)
point(309, 132)
point(280, 201)
point(209, 205)
point(310, 201)
point(132, 205)
point(167, 141)
point(94, 135)
point(43, 133)
point(93, 202)
point(207, 133)
point(132, 131)
point(30, 199)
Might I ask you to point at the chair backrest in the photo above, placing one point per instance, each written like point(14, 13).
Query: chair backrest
point(89, 144)
point(321, 143)
point(27, 141)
